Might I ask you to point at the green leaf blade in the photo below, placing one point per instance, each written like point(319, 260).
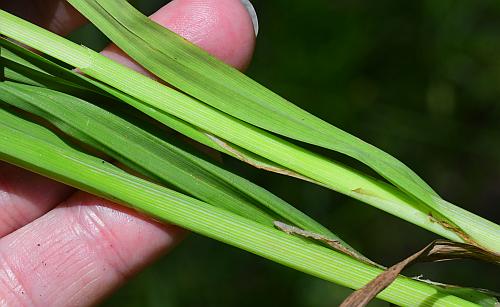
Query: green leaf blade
point(154, 157)
point(194, 71)
point(166, 103)
point(19, 145)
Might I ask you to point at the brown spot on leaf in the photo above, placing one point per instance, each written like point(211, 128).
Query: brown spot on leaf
point(453, 228)
point(336, 245)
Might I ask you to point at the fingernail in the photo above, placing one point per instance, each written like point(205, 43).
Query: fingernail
point(251, 11)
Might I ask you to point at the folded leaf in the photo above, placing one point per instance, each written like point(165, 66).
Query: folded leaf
point(194, 71)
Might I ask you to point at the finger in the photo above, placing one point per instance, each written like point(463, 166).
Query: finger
point(24, 196)
point(97, 267)
point(75, 254)
point(57, 16)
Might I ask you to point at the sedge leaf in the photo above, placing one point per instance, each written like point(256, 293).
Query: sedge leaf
point(231, 184)
point(165, 103)
point(154, 157)
point(194, 71)
point(31, 146)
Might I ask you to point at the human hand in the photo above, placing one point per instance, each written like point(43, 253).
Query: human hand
point(61, 247)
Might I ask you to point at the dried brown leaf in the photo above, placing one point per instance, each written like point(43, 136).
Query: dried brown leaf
point(438, 250)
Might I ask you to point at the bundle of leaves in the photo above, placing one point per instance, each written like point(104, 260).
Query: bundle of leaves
point(61, 123)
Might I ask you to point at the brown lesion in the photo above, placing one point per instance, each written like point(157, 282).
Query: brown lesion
point(457, 230)
point(434, 219)
point(263, 164)
point(334, 244)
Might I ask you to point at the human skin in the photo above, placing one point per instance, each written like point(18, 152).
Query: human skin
point(62, 247)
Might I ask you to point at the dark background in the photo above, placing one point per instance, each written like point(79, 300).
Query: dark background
point(419, 79)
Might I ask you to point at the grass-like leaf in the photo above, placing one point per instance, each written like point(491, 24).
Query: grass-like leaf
point(27, 67)
point(168, 105)
point(231, 209)
point(200, 75)
point(113, 135)
point(154, 157)
point(32, 146)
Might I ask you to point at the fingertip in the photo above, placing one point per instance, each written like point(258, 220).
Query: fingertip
point(223, 28)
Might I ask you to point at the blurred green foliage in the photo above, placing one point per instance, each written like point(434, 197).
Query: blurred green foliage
point(419, 79)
